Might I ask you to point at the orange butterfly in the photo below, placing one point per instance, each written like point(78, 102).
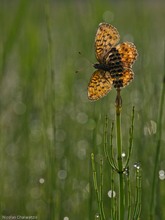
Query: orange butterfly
point(115, 62)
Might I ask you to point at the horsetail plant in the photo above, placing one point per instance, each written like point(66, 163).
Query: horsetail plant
point(121, 169)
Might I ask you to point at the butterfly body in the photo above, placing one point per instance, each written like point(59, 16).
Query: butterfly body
point(115, 62)
point(102, 66)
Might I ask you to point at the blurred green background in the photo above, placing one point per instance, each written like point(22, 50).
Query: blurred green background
point(48, 128)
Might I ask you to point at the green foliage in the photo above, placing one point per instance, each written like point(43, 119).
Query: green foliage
point(48, 128)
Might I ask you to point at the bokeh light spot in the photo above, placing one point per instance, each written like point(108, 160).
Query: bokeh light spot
point(82, 118)
point(111, 194)
point(41, 180)
point(161, 174)
point(91, 124)
point(35, 193)
point(62, 174)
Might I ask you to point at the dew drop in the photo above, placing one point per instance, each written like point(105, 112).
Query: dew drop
point(111, 194)
point(137, 165)
point(97, 216)
point(126, 171)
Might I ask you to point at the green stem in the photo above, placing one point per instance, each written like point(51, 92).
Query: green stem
point(129, 199)
point(101, 189)
point(110, 158)
point(119, 152)
point(137, 209)
point(95, 181)
point(131, 133)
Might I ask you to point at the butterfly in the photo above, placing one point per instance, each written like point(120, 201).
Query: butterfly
point(114, 67)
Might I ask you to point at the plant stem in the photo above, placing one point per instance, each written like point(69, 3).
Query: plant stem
point(95, 181)
point(110, 158)
point(119, 154)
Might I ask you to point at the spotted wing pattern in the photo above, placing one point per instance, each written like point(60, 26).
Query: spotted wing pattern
point(123, 79)
point(100, 84)
point(107, 37)
point(128, 53)
point(115, 62)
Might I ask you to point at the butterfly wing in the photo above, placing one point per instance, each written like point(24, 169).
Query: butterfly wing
point(123, 79)
point(120, 60)
point(107, 37)
point(128, 53)
point(100, 84)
